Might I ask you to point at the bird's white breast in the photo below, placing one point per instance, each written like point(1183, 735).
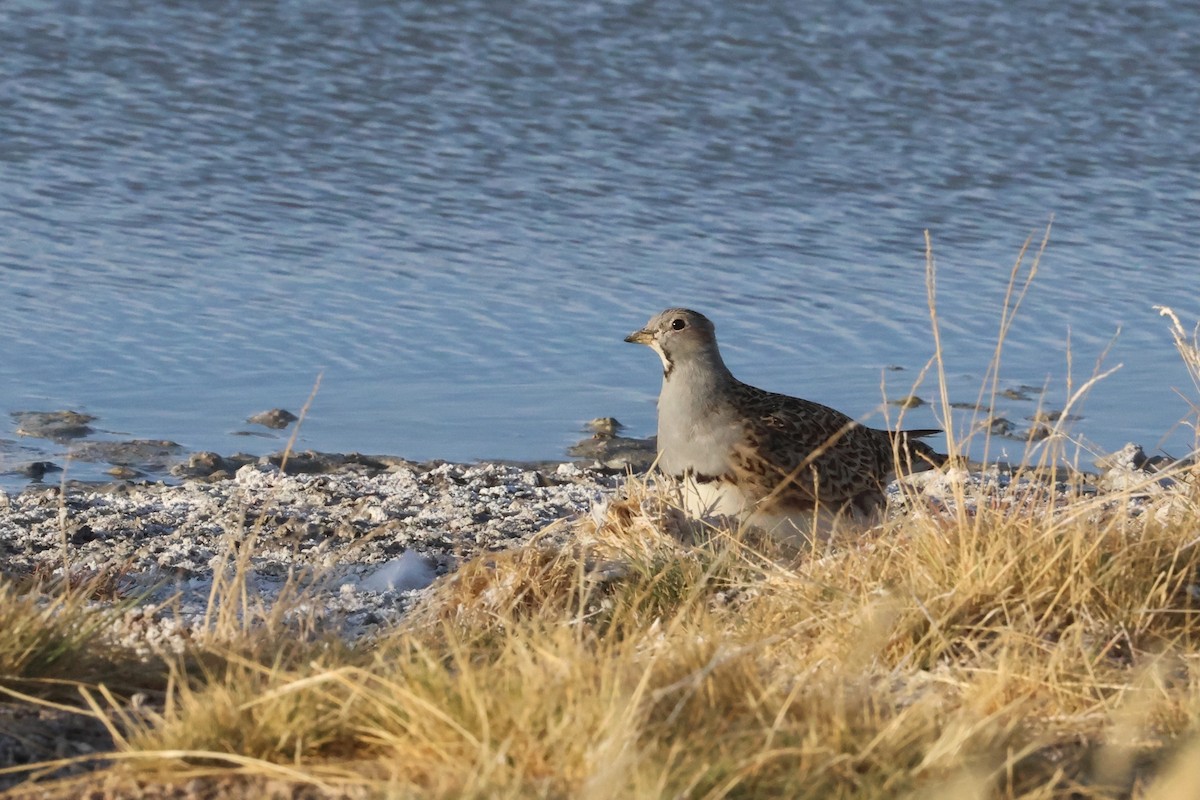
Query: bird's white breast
point(696, 430)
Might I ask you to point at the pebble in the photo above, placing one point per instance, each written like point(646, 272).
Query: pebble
point(604, 426)
point(1022, 392)
point(1001, 426)
point(276, 419)
point(909, 401)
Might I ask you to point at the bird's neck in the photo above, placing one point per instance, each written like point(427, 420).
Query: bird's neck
point(697, 379)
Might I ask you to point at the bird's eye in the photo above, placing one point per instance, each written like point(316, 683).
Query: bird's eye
point(678, 324)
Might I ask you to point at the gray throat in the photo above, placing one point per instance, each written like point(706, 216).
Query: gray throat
point(696, 381)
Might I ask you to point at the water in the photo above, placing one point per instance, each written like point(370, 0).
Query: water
point(454, 211)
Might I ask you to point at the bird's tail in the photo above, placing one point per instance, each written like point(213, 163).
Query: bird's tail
point(915, 454)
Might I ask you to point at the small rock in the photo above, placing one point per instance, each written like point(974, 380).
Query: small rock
point(82, 534)
point(1128, 470)
point(36, 470)
point(617, 452)
point(276, 418)
point(123, 472)
point(1022, 392)
point(58, 426)
point(911, 401)
point(1050, 417)
point(1039, 432)
point(200, 465)
point(1129, 457)
point(1000, 426)
point(153, 455)
point(604, 426)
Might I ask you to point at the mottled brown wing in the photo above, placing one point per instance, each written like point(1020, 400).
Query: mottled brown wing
point(822, 454)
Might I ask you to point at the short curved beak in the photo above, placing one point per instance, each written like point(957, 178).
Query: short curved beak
point(640, 337)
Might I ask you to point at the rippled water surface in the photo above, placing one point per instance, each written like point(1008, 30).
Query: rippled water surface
point(454, 211)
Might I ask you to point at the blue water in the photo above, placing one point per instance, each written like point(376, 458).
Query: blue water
point(454, 211)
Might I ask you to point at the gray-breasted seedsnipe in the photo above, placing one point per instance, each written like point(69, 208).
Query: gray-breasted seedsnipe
point(776, 462)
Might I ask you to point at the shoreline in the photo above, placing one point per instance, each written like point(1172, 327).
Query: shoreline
point(366, 532)
point(342, 528)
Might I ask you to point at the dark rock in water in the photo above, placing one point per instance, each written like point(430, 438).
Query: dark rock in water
point(1045, 423)
point(201, 464)
point(58, 426)
point(308, 462)
point(276, 419)
point(124, 472)
point(36, 470)
point(617, 452)
point(911, 401)
point(965, 406)
point(256, 434)
point(1000, 426)
point(609, 450)
point(1039, 432)
point(1050, 417)
point(1022, 392)
point(604, 426)
point(152, 455)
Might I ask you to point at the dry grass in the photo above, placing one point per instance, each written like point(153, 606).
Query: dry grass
point(1039, 646)
point(1046, 653)
point(52, 639)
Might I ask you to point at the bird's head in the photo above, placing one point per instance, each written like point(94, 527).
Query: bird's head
point(678, 335)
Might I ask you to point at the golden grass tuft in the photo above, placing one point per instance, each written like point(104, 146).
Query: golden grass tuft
point(52, 640)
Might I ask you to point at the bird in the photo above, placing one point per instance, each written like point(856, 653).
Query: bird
point(792, 467)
